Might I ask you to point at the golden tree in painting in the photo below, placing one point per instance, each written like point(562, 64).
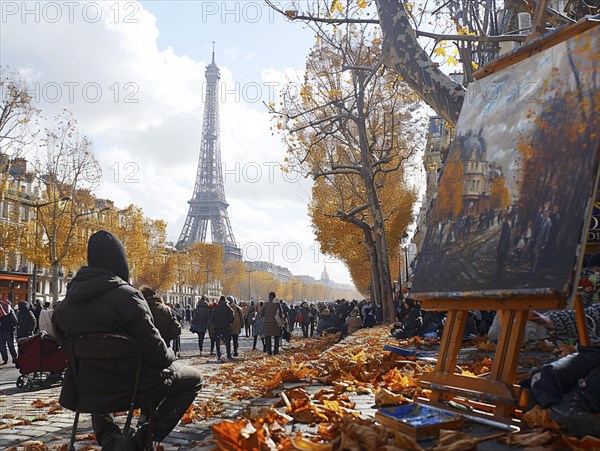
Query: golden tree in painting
point(566, 124)
point(449, 202)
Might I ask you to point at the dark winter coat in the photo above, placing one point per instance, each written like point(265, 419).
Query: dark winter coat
point(270, 309)
point(305, 312)
point(222, 317)
point(99, 300)
point(325, 323)
point(343, 311)
point(368, 320)
point(201, 317)
point(165, 319)
point(8, 322)
point(26, 321)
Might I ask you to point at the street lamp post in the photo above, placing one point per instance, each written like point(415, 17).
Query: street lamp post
point(249, 271)
point(405, 239)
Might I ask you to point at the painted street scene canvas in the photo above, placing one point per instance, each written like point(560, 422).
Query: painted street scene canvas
point(514, 194)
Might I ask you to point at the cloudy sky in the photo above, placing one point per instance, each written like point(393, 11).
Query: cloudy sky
point(132, 73)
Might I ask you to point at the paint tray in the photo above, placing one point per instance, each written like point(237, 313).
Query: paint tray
point(417, 420)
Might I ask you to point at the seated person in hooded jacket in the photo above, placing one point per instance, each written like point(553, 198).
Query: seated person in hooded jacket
point(100, 299)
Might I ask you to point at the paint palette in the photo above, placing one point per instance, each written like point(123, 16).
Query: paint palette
point(417, 420)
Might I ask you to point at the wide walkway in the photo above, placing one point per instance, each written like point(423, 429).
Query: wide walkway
point(32, 420)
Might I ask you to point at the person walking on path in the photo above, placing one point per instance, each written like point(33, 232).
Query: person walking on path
point(188, 315)
point(236, 325)
point(100, 300)
point(292, 317)
point(258, 326)
point(37, 310)
point(8, 323)
point(304, 318)
point(246, 314)
point(314, 314)
point(164, 317)
point(274, 321)
point(222, 317)
point(252, 308)
point(26, 323)
point(200, 320)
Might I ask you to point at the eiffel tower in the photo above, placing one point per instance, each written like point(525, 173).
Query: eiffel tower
point(208, 202)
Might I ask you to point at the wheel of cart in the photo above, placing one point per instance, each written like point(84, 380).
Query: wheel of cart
point(20, 381)
point(29, 384)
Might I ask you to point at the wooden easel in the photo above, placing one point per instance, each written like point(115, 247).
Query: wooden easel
point(498, 391)
point(497, 395)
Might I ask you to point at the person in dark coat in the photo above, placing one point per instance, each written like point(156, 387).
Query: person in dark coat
point(342, 311)
point(222, 317)
point(570, 388)
point(164, 317)
point(325, 323)
point(272, 327)
point(369, 319)
point(292, 316)
point(200, 320)
point(8, 324)
point(412, 323)
point(314, 314)
point(37, 310)
point(258, 328)
point(100, 300)
point(26, 323)
point(237, 324)
point(304, 312)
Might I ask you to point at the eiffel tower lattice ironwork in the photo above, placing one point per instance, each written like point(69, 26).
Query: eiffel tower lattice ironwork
point(208, 202)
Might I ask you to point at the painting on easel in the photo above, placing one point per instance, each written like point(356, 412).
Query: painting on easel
point(515, 194)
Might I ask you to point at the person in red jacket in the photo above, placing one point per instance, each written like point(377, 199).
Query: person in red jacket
point(100, 300)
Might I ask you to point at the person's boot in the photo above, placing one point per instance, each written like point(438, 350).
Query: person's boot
point(574, 414)
point(134, 440)
point(576, 410)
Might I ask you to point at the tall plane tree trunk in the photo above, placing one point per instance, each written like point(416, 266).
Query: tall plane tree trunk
point(403, 54)
point(376, 294)
point(381, 262)
point(55, 273)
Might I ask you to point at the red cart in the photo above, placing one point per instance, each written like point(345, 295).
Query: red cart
point(41, 361)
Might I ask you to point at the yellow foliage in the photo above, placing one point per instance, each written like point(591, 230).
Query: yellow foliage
point(440, 51)
point(336, 5)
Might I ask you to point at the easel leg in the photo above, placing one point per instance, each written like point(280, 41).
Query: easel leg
point(450, 344)
point(504, 367)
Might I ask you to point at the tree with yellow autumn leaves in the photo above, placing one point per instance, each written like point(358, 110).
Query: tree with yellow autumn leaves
point(69, 173)
point(18, 124)
point(347, 128)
